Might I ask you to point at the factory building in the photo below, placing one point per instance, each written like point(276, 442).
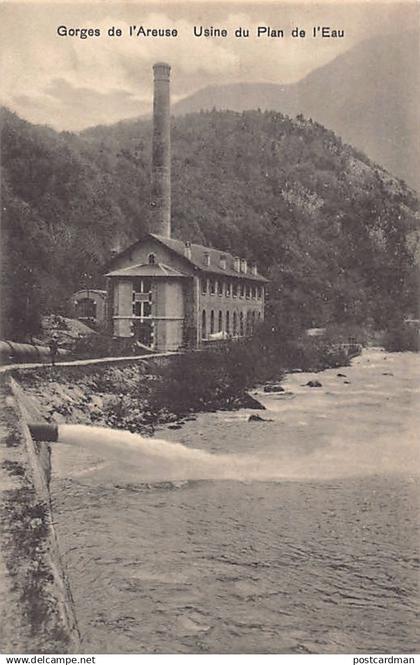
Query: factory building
point(170, 294)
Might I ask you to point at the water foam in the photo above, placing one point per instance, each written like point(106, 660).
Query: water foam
point(132, 457)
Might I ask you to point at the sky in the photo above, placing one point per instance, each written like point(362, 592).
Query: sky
point(71, 83)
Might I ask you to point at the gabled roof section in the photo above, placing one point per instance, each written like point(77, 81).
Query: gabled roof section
point(198, 256)
point(197, 260)
point(147, 270)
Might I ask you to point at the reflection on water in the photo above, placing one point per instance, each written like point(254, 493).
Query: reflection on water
point(296, 535)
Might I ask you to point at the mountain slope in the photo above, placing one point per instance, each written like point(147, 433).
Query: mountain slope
point(331, 229)
point(368, 95)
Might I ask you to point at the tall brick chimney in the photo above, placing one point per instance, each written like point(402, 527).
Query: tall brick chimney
point(161, 161)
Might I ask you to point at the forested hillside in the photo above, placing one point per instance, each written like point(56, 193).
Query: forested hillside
point(333, 231)
point(373, 106)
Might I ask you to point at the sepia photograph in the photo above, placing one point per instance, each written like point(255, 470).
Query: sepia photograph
point(209, 330)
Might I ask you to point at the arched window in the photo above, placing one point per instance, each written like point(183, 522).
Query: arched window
point(220, 328)
point(248, 323)
point(151, 259)
point(211, 322)
point(228, 322)
point(235, 324)
point(86, 308)
point(241, 324)
point(254, 316)
point(203, 325)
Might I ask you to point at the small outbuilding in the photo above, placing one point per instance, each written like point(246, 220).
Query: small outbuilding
point(89, 306)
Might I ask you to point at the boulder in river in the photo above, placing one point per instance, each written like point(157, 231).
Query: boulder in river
point(274, 388)
point(255, 418)
point(313, 383)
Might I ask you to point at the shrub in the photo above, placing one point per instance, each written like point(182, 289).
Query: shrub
point(213, 378)
point(101, 345)
point(402, 337)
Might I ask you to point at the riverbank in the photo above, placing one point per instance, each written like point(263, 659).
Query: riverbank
point(141, 394)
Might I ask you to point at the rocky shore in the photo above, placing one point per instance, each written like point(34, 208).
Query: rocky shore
point(115, 396)
point(138, 395)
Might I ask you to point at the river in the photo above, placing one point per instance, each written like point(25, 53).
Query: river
point(298, 535)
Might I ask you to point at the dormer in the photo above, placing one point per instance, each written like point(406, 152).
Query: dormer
point(244, 265)
point(223, 261)
point(237, 264)
point(206, 258)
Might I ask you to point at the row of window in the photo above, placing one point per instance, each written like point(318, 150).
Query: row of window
point(231, 324)
point(234, 288)
point(212, 286)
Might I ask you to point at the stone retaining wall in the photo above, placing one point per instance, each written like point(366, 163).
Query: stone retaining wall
point(36, 608)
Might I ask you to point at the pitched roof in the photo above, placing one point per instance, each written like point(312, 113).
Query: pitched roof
point(147, 270)
point(198, 254)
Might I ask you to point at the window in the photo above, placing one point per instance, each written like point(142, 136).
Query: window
point(86, 309)
point(142, 297)
point(235, 290)
point(212, 287)
point(151, 259)
point(228, 290)
point(220, 322)
point(248, 291)
point(248, 323)
point(204, 286)
point(241, 324)
point(141, 286)
point(220, 287)
point(203, 325)
point(142, 309)
point(235, 324)
point(211, 322)
point(242, 290)
point(228, 323)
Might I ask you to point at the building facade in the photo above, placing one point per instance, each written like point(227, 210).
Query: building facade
point(170, 295)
